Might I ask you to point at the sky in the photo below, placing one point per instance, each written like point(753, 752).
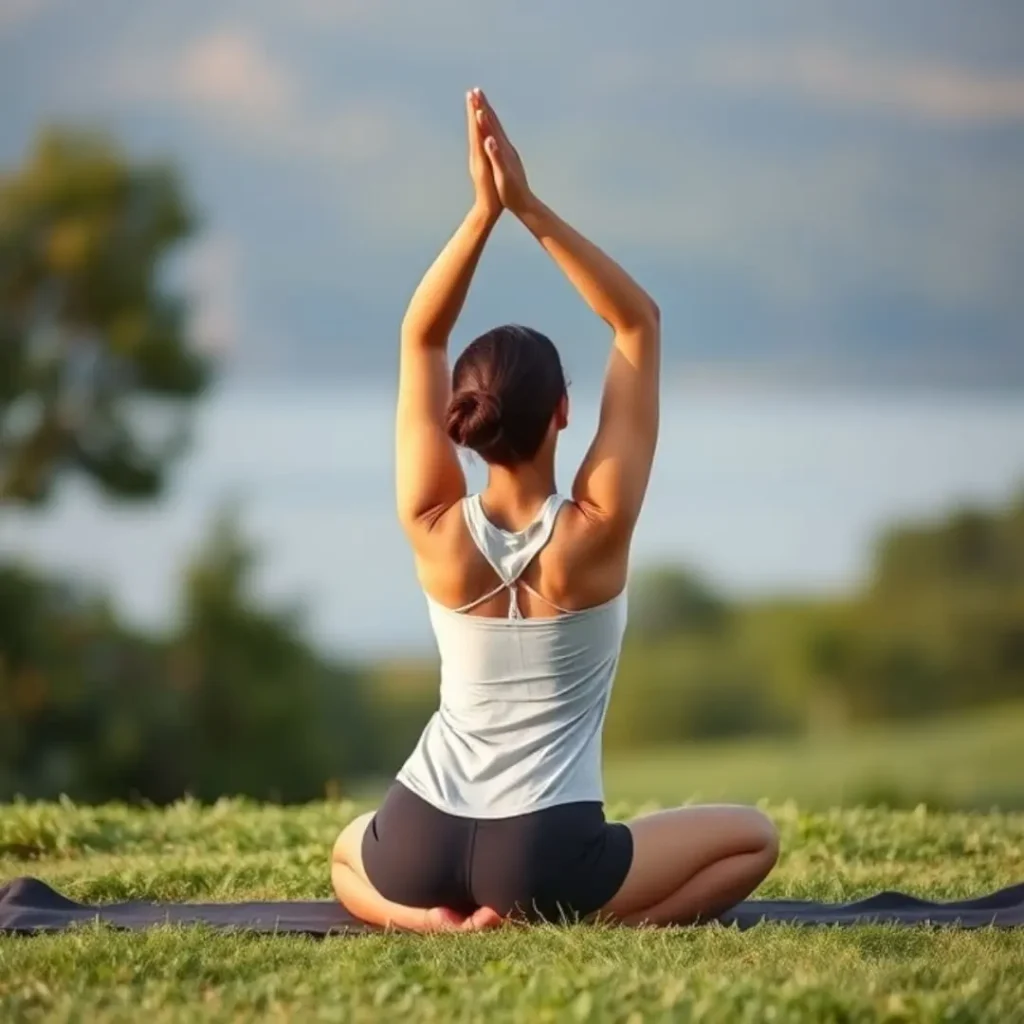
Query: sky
point(816, 192)
point(810, 188)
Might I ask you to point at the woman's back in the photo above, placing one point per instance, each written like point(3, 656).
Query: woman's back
point(523, 699)
point(499, 810)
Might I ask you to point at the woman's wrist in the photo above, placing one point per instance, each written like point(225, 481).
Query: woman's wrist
point(483, 215)
point(531, 211)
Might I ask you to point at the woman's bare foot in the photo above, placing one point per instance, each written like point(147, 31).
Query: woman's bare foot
point(482, 919)
point(441, 919)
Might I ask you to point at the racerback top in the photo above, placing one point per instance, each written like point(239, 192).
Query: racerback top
point(523, 701)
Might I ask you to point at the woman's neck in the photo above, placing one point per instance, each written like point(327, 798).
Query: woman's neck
point(512, 498)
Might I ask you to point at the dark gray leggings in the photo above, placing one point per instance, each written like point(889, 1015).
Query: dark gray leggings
point(560, 863)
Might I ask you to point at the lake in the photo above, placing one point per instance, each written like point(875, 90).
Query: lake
point(763, 490)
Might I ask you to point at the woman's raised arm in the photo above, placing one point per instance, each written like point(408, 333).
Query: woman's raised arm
point(612, 479)
point(429, 476)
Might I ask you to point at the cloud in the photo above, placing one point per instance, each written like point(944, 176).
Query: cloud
point(233, 72)
point(227, 74)
point(229, 77)
point(803, 226)
point(381, 166)
point(929, 90)
point(385, 167)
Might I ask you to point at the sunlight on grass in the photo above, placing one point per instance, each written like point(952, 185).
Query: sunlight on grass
point(969, 760)
point(239, 850)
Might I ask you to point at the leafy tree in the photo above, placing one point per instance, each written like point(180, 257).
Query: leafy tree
point(669, 601)
point(86, 327)
point(971, 547)
point(234, 700)
point(269, 717)
point(83, 706)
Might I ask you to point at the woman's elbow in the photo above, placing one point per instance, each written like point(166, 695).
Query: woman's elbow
point(645, 320)
point(642, 318)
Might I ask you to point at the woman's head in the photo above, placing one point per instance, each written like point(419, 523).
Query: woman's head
point(507, 389)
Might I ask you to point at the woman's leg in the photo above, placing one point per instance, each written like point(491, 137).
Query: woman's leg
point(693, 863)
point(357, 894)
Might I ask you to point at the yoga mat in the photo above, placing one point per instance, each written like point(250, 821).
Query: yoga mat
point(29, 906)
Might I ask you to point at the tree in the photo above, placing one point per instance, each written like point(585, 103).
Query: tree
point(233, 700)
point(269, 717)
point(86, 328)
point(971, 547)
point(672, 600)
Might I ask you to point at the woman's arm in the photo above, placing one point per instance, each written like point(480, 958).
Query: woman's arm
point(612, 479)
point(429, 476)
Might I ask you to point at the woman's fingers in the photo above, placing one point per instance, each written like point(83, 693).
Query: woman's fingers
point(473, 116)
point(509, 178)
point(489, 122)
point(493, 149)
point(493, 118)
point(488, 129)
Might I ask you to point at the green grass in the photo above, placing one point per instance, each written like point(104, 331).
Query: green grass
point(966, 761)
point(236, 850)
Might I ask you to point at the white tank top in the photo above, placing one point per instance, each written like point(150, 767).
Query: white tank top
point(523, 701)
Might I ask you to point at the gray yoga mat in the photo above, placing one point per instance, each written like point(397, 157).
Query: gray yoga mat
point(29, 906)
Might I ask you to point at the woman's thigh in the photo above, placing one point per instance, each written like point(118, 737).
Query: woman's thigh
point(348, 847)
point(671, 847)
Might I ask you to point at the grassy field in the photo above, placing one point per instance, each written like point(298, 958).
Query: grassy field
point(236, 850)
point(966, 761)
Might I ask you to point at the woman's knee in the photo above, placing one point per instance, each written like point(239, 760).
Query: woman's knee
point(765, 836)
point(748, 830)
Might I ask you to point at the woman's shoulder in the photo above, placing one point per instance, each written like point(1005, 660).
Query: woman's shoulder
point(581, 563)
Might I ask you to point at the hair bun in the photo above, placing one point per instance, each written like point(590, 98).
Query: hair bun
point(474, 420)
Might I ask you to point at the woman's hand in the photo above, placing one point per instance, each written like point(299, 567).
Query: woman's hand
point(507, 169)
point(486, 199)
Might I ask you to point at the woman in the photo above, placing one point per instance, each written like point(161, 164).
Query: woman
point(499, 810)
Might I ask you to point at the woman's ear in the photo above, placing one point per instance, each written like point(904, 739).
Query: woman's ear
point(562, 412)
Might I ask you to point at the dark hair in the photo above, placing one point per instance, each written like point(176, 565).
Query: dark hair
point(506, 387)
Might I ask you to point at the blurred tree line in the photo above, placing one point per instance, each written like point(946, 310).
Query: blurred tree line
point(233, 699)
point(937, 627)
point(97, 377)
